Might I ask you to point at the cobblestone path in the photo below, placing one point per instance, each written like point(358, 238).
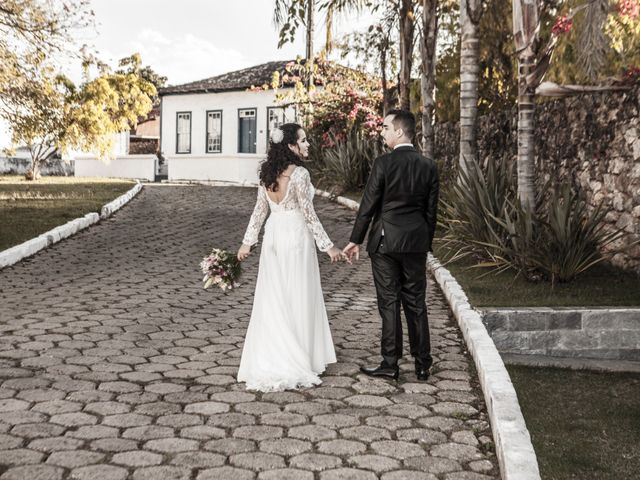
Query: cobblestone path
point(115, 363)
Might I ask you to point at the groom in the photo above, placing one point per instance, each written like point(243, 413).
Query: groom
point(400, 203)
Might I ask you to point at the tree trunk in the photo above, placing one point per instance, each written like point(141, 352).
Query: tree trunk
point(526, 131)
point(407, 27)
point(311, 9)
point(34, 171)
point(428, 80)
point(470, 12)
point(383, 74)
point(328, 47)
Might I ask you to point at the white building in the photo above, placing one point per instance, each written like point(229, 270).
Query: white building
point(218, 128)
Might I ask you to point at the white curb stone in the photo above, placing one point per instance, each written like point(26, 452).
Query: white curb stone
point(345, 202)
point(30, 247)
point(116, 204)
point(515, 452)
point(26, 249)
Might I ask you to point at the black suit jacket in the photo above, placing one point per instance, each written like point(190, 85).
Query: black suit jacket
point(401, 196)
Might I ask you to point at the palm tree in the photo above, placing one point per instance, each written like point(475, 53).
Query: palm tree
point(428, 79)
point(526, 29)
point(470, 13)
point(288, 15)
point(309, 54)
point(534, 61)
point(407, 28)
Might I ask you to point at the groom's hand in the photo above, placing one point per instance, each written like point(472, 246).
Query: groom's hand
point(352, 250)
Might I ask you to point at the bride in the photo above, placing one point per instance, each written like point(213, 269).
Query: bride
point(288, 342)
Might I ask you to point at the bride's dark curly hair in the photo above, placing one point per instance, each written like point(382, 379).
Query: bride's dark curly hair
point(279, 157)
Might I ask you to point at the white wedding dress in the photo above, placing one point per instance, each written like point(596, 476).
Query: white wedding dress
point(288, 341)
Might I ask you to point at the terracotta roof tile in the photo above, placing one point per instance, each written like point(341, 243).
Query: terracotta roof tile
point(238, 80)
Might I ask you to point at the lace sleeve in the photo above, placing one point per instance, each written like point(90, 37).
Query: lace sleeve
point(258, 216)
point(304, 193)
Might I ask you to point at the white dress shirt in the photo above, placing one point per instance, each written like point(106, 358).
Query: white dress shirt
point(403, 145)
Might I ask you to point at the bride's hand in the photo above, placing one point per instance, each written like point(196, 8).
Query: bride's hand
point(243, 252)
point(336, 254)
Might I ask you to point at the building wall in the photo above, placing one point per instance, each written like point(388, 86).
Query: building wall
point(228, 165)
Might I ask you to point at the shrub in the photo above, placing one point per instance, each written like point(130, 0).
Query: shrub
point(345, 166)
point(557, 240)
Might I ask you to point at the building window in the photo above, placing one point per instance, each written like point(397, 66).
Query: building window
point(247, 130)
point(214, 131)
point(275, 118)
point(183, 129)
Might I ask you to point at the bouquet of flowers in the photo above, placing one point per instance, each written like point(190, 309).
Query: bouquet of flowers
point(221, 268)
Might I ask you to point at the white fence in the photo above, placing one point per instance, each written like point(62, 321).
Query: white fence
point(20, 166)
point(238, 168)
point(129, 166)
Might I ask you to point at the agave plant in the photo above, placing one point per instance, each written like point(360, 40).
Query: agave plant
point(346, 165)
point(572, 236)
point(557, 240)
point(470, 208)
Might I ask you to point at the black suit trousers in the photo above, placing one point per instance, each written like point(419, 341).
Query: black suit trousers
point(400, 279)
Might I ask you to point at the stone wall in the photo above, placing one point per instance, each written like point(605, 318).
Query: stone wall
point(593, 140)
point(605, 333)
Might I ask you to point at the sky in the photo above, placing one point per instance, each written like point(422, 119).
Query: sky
point(190, 40)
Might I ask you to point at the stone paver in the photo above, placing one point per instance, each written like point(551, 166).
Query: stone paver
point(115, 363)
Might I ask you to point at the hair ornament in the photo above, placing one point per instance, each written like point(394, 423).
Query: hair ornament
point(276, 135)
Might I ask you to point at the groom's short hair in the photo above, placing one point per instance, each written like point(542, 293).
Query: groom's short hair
point(405, 120)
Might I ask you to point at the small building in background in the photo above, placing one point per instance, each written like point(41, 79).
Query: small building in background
point(218, 128)
point(134, 153)
point(145, 138)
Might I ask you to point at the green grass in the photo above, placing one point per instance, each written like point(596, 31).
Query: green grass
point(28, 209)
point(602, 285)
point(583, 425)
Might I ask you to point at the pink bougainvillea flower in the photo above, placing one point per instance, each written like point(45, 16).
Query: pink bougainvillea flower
point(631, 74)
point(562, 25)
point(629, 8)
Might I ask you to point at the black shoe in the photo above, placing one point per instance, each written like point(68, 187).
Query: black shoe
point(382, 371)
point(422, 371)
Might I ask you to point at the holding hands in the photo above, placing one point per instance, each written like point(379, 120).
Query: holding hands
point(337, 255)
point(347, 254)
point(334, 253)
point(352, 250)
